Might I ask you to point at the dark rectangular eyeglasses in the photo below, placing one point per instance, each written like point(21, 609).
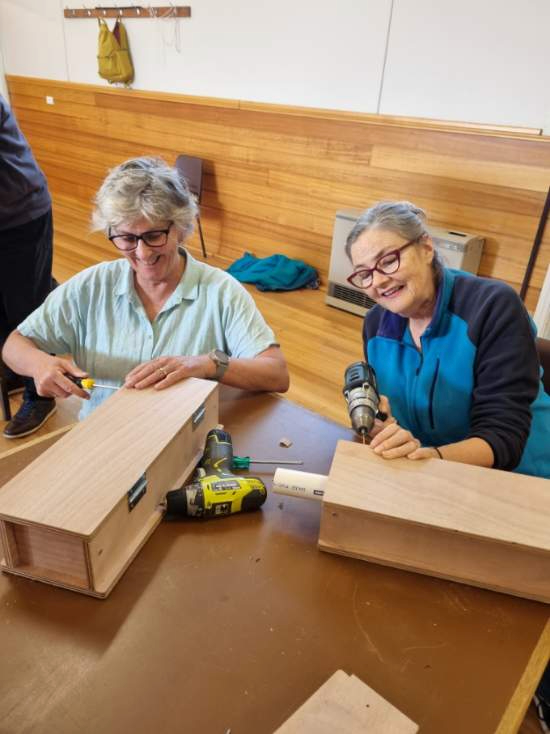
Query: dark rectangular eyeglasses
point(386, 264)
point(127, 241)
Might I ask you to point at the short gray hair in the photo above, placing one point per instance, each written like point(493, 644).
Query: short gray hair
point(401, 217)
point(144, 187)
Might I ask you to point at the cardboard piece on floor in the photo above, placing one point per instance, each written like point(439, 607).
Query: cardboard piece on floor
point(346, 704)
point(478, 526)
point(80, 512)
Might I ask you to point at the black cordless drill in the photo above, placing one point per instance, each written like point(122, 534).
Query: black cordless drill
point(362, 396)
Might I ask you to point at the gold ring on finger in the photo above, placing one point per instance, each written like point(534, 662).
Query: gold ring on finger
point(163, 372)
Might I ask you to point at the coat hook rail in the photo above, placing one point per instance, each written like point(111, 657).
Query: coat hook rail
point(132, 11)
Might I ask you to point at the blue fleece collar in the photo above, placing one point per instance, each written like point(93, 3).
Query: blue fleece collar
point(394, 326)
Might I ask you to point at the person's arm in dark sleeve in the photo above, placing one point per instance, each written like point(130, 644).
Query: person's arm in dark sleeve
point(507, 376)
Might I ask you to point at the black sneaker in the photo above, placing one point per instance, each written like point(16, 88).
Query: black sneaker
point(31, 415)
point(543, 712)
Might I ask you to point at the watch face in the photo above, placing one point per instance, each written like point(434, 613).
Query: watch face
point(221, 357)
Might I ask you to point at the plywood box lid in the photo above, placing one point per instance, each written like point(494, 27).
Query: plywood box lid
point(487, 503)
point(75, 484)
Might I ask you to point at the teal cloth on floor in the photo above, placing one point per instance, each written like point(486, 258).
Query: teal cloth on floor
point(274, 273)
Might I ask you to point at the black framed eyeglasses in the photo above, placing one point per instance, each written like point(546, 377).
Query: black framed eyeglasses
point(127, 241)
point(387, 264)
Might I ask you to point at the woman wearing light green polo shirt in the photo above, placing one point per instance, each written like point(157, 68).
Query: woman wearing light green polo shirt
point(154, 317)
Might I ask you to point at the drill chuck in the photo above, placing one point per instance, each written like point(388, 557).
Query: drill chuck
point(362, 396)
point(362, 408)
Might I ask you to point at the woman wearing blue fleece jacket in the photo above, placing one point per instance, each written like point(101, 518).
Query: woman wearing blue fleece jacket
point(454, 354)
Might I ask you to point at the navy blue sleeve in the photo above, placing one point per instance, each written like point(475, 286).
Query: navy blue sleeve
point(370, 326)
point(506, 368)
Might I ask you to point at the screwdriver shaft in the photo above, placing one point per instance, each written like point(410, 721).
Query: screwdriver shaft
point(273, 461)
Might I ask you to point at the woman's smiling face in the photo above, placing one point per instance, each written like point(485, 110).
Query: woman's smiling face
point(152, 264)
point(410, 290)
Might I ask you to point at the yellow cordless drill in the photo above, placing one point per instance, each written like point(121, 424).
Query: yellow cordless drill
point(215, 491)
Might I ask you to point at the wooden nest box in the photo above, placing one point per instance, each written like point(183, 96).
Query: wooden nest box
point(479, 526)
point(78, 514)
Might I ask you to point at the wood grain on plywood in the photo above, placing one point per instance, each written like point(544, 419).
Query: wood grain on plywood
point(468, 524)
point(41, 552)
point(113, 433)
point(487, 503)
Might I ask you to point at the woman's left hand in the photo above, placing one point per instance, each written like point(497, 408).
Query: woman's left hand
point(394, 442)
point(165, 371)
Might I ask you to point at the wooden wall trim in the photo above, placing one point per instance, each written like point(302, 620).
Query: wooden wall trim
point(313, 112)
point(275, 175)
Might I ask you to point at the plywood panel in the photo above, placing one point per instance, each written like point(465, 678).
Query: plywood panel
point(122, 535)
point(111, 432)
point(488, 503)
point(480, 526)
point(346, 704)
point(276, 175)
point(41, 552)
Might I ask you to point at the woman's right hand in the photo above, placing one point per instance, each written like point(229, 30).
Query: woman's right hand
point(50, 377)
point(389, 439)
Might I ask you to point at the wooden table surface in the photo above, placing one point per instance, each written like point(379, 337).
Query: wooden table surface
point(229, 625)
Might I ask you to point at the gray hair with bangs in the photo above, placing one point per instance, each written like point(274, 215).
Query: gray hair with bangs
point(144, 187)
point(405, 219)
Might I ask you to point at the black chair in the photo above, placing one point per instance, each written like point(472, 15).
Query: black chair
point(190, 168)
point(543, 348)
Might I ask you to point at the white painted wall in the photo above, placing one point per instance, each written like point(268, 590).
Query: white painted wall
point(257, 50)
point(31, 37)
point(476, 60)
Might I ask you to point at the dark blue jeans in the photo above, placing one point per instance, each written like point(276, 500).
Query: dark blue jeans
point(25, 276)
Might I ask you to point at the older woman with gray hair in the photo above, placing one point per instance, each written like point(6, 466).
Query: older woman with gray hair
point(153, 317)
point(454, 354)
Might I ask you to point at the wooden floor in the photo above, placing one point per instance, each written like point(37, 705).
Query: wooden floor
point(319, 342)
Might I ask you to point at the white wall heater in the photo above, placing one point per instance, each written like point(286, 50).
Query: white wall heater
point(458, 250)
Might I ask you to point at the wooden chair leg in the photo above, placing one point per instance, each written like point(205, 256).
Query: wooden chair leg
point(4, 400)
point(203, 246)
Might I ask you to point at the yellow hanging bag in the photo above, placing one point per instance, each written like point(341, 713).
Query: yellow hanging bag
point(113, 54)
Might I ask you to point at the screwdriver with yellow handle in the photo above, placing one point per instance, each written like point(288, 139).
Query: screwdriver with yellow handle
point(88, 383)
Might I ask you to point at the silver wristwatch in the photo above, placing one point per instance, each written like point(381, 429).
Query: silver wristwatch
point(221, 360)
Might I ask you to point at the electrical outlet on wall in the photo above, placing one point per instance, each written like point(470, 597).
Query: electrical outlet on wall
point(50, 100)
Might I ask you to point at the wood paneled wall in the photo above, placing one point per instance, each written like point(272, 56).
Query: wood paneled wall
point(275, 176)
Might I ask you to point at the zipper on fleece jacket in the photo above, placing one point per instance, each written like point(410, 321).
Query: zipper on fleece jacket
point(432, 390)
point(412, 403)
